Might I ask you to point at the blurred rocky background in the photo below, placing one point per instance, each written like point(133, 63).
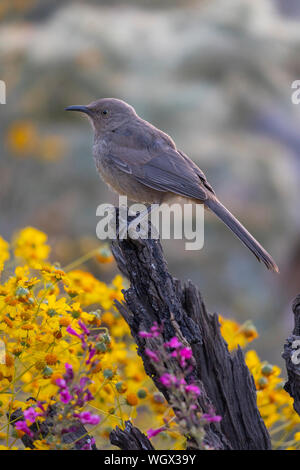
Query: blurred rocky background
point(216, 75)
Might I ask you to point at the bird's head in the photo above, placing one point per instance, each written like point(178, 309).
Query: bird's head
point(106, 114)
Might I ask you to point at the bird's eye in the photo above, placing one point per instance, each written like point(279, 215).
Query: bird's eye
point(104, 112)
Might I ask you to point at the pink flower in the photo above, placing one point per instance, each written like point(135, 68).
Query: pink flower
point(153, 432)
point(91, 355)
point(71, 331)
point(186, 353)
point(168, 379)
point(83, 382)
point(152, 355)
point(192, 389)
point(145, 334)
point(65, 396)
point(22, 426)
point(88, 396)
point(173, 343)
point(30, 414)
point(210, 418)
point(40, 405)
point(61, 383)
point(83, 327)
point(89, 444)
point(87, 418)
point(69, 375)
point(155, 330)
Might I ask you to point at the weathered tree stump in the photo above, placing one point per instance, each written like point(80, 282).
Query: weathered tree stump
point(225, 381)
point(291, 354)
point(130, 438)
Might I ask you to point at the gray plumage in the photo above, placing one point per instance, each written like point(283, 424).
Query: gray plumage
point(140, 161)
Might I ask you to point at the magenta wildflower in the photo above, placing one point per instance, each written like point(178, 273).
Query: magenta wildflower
point(87, 418)
point(91, 355)
point(30, 414)
point(145, 334)
point(22, 426)
point(153, 432)
point(192, 389)
point(186, 353)
point(168, 379)
point(210, 418)
point(83, 381)
point(89, 444)
point(83, 327)
point(88, 396)
point(152, 355)
point(155, 330)
point(173, 343)
point(69, 375)
point(40, 405)
point(65, 396)
point(61, 383)
point(71, 331)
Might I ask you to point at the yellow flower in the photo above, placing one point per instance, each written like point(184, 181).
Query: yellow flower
point(22, 138)
point(51, 359)
point(132, 399)
point(41, 444)
point(4, 252)
point(273, 401)
point(53, 306)
point(8, 448)
point(30, 245)
point(235, 334)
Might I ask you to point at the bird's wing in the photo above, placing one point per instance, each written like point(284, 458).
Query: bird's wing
point(159, 167)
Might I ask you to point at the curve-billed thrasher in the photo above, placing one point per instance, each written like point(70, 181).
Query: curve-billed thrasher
point(140, 161)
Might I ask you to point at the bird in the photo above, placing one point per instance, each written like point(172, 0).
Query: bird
point(140, 161)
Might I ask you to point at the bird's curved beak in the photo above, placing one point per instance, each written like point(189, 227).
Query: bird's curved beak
point(82, 109)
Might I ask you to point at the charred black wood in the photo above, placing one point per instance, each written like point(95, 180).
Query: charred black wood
point(291, 355)
point(226, 383)
point(130, 438)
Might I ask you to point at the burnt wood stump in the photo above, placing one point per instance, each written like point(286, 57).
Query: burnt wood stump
point(130, 438)
point(291, 355)
point(225, 381)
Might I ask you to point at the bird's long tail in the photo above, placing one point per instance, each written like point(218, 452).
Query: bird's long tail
point(239, 230)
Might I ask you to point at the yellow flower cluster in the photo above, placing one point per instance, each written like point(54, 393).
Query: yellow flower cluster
point(274, 403)
point(24, 140)
point(4, 252)
point(30, 245)
point(40, 304)
point(39, 301)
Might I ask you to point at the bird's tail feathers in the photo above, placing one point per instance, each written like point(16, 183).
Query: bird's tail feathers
point(240, 231)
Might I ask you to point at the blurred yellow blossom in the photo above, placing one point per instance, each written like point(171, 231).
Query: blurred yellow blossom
point(235, 334)
point(24, 140)
point(30, 245)
point(4, 252)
